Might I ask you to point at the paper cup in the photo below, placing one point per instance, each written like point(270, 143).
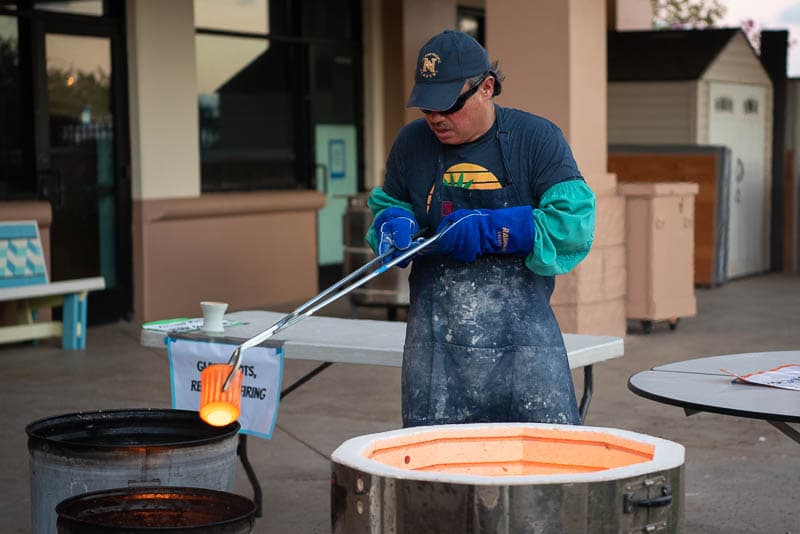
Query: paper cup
point(213, 313)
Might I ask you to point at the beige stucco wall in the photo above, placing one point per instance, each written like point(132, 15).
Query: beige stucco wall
point(162, 84)
point(374, 101)
point(251, 250)
point(633, 15)
point(559, 71)
point(421, 20)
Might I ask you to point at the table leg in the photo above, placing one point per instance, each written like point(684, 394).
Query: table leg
point(786, 429)
point(305, 378)
point(241, 450)
point(588, 382)
point(780, 425)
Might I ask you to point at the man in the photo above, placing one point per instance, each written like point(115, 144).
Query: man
point(501, 185)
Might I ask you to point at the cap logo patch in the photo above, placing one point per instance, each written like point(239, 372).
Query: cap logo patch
point(429, 63)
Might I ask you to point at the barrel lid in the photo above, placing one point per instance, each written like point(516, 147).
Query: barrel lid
point(130, 428)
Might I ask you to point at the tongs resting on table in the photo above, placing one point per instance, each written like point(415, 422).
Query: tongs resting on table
point(331, 294)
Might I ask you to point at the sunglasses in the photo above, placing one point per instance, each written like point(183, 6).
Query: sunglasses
point(460, 101)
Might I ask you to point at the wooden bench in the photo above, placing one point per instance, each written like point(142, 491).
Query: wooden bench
point(23, 279)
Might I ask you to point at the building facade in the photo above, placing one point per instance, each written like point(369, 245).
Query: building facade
point(201, 149)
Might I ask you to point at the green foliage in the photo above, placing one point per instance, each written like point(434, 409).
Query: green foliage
point(9, 61)
point(70, 92)
point(686, 13)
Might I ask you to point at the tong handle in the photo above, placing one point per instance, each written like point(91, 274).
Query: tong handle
point(309, 307)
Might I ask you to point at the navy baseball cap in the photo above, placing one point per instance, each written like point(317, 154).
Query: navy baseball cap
point(444, 63)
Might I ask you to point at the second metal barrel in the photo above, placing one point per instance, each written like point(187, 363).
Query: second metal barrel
point(156, 509)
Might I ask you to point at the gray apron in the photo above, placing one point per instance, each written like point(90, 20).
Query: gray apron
point(482, 343)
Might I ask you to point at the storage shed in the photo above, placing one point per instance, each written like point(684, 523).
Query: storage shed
point(703, 87)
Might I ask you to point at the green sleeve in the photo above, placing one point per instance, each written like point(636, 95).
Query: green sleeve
point(378, 201)
point(564, 224)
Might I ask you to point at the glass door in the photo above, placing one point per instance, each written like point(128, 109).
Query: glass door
point(334, 104)
point(78, 162)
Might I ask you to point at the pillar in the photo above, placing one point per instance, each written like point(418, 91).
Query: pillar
point(554, 57)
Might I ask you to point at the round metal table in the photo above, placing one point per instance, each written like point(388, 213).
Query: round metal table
point(700, 386)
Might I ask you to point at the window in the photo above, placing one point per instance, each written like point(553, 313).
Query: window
point(751, 106)
point(14, 180)
point(472, 20)
point(246, 113)
point(321, 21)
point(76, 7)
point(268, 72)
point(724, 104)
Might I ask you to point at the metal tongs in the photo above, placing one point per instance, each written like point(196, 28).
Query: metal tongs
point(332, 293)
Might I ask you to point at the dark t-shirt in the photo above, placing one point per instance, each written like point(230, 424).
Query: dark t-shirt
point(536, 157)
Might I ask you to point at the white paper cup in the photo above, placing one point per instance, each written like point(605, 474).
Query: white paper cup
point(213, 312)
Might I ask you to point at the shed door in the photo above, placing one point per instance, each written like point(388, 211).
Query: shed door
point(737, 119)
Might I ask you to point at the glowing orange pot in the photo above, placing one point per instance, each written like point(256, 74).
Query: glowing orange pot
point(217, 407)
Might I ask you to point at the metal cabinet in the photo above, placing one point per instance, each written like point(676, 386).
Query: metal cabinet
point(389, 290)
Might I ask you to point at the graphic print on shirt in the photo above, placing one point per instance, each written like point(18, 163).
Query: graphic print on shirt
point(467, 176)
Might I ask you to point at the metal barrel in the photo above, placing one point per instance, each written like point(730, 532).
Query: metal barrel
point(156, 509)
point(81, 452)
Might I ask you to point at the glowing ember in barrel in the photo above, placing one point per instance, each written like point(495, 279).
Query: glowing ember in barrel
point(162, 509)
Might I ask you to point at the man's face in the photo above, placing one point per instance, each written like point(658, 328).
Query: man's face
point(468, 123)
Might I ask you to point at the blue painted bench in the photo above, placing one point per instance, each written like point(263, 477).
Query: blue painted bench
point(23, 278)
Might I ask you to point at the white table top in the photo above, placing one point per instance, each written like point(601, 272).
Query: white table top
point(699, 385)
point(364, 341)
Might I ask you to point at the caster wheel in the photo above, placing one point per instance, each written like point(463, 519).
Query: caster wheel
point(647, 327)
point(673, 325)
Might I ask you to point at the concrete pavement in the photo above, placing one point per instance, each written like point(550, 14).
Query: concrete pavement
point(742, 475)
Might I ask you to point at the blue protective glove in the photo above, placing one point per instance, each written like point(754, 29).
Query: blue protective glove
point(467, 234)
point(395, 227)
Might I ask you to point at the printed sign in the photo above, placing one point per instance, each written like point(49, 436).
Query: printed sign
point(784, 377)
point(337, 158)
point(262, 370)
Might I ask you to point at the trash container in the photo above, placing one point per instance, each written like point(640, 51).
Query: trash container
point(659, 222)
